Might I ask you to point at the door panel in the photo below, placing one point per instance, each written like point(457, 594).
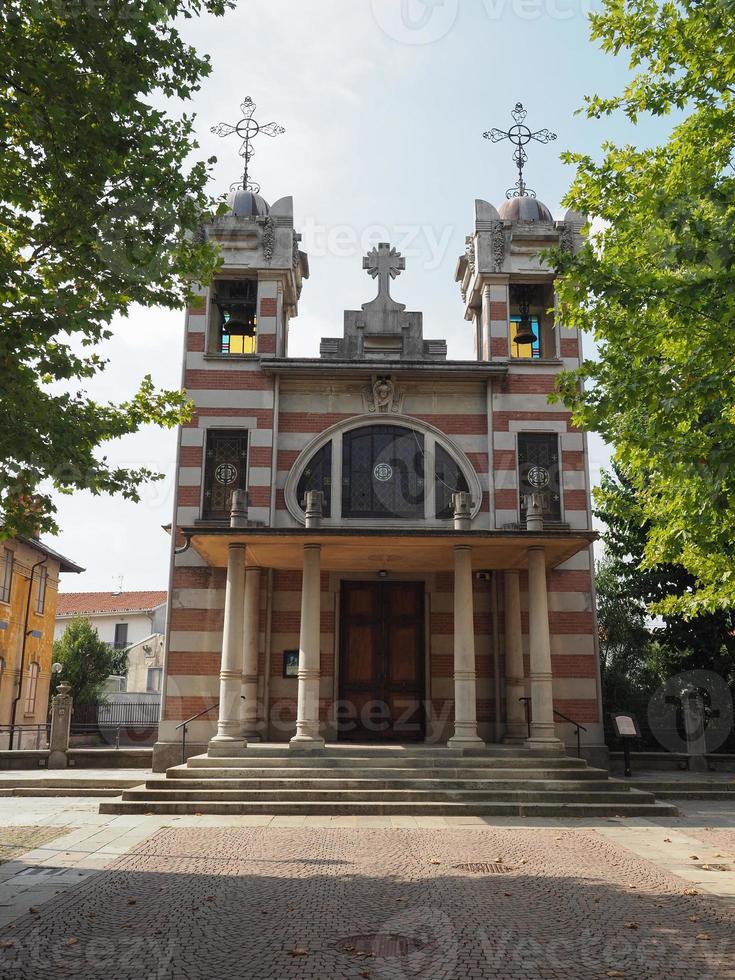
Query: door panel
point(382, 661)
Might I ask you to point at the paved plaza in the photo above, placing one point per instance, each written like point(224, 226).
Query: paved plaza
point(380, 898)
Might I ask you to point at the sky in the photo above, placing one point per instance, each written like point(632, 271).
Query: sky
point(384, 103)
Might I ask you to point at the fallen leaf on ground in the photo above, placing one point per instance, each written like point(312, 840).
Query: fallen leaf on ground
point(299, 952)
point(632, 925)
point(33, 910)
point(7, 944)
point(434, 861)
point(693, 857)
point(694, 918)
point(614, 973)
point(667, 840)
point(704, 936)
point(71, 941)
point(691, 891)
point(132, 901)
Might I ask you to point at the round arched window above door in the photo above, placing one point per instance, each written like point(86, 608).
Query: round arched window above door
point(393, 470)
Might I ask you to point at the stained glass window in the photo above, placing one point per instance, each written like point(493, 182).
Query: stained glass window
point(225, 470)
point(538, 471)
point(383, 472)
point(525, 350)
point(449, 479)
point(318, 476)
point(236, 302)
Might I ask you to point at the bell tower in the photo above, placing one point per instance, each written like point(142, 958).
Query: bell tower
point(507, 289)
point(256, 291)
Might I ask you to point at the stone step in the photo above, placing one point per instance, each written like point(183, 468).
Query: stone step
point(424, 760)
point(590, 811)
point(356, 751)
point(362, 772)
point(210, 794)
point(482, 783)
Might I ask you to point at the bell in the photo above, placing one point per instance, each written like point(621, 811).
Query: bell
point(525, 334)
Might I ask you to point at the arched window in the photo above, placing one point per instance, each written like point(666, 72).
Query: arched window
point(392, 470)
point(383, 472)
point(449, 480)
point(33, 670)
point(317, 475)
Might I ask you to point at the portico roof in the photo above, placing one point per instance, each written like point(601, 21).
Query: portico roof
point(374, 549)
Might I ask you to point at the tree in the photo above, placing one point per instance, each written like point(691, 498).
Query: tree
point(703, 642)
point(86, 660)
point(624, 639)
point(656, 288)
point(97, 212)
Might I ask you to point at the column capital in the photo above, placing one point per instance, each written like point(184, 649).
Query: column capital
point(462, 547)
point(312, 546)
point(236, 546)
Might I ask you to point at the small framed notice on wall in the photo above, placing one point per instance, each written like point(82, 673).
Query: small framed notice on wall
point(290, 663)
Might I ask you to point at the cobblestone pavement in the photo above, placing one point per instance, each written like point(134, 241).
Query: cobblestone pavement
point(14, 841)
point(270, 904)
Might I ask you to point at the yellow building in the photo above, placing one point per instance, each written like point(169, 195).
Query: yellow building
point(29, 584)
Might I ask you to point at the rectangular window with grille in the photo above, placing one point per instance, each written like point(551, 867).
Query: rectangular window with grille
point(539, 471)
point(6, 576)
point(225, 470)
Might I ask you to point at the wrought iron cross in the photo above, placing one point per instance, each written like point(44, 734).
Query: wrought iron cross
point(520, 136)
point(247, 129)
point(384, 263)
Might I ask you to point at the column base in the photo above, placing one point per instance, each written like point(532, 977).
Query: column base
point(306, 743)
point(223, 747)
point(465, 742)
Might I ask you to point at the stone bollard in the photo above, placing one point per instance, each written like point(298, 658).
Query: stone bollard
point(314, 508)
point(462, 509)
point(239, 509)
point(61, 706)
point(534, 513)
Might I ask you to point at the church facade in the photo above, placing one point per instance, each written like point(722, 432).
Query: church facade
point(379, 544)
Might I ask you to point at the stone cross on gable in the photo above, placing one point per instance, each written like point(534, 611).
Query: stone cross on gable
point(384, 263)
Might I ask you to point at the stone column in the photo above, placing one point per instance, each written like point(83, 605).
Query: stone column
point(543, 733)
point(465, 677)
point(307, 718)
point(250, 656)
point(515, 685)
point(61, 705)
point(229, 740)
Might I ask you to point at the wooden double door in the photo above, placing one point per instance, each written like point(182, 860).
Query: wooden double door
point(382, 662)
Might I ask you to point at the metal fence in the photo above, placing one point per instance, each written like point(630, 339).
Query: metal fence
point(117, 722)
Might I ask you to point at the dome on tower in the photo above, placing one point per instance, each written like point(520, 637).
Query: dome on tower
point(246, 204)
point(524, 209)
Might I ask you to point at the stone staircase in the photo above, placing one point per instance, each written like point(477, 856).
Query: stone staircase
point(388, 780)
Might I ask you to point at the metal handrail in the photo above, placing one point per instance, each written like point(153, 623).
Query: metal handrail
point(184, 725)
point(194, 717)
point(579, 728)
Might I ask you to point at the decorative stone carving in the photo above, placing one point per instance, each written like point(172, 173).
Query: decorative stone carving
point(498, 246)
point(296, 251)
point(269, 239)
point(471, 259)
point(383, 396)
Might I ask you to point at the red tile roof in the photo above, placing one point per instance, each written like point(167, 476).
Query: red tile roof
point(87, 603)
